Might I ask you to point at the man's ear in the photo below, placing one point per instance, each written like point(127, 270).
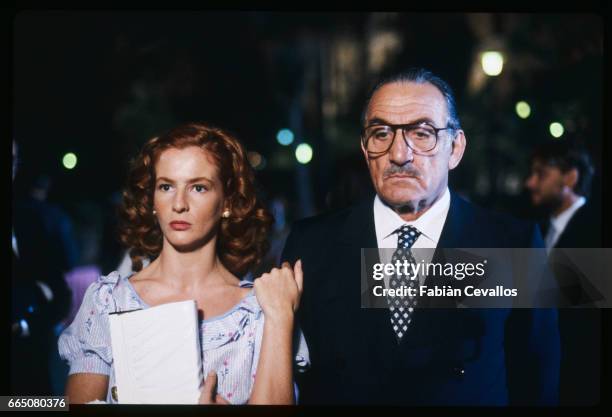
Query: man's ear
point(365, 153)
point(457, 148)
point(570, 178)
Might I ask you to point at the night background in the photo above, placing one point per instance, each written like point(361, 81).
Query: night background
point(99, 84)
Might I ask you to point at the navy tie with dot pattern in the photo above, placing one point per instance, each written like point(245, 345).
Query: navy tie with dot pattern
point(401, 308)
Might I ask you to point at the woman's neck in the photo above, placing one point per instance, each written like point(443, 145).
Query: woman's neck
point(187, 271)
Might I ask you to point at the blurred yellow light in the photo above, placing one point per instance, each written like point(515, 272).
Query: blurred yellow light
point(492, 63)
point(69, 160)
point(556, 129)
point(303, 153)
point(523, 109)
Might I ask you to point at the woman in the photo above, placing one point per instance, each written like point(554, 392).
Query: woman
point(190, 207)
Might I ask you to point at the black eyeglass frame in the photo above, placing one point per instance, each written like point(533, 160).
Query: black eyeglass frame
point(404, 127)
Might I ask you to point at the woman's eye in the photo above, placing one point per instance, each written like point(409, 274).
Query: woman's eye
point(164, 187)
point(199, 188)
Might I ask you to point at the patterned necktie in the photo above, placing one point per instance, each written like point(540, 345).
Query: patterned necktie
point(401, 308)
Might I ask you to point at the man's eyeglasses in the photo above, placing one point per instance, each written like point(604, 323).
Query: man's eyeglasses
point(420, 137)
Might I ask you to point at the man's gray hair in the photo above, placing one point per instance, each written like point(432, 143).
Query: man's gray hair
point(420, 76)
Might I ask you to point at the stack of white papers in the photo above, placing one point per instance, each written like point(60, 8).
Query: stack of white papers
point(156, 354)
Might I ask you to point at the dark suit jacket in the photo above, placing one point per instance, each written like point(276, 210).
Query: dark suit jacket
point(583, 230)
point(447, 357)
point(581, 328)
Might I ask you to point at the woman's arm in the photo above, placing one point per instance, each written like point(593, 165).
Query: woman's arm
point(278, 293)
point(274, 377)
point(83, 388)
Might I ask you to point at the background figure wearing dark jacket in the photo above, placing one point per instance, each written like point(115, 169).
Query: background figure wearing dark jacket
point(40, 298)
point(560, 183)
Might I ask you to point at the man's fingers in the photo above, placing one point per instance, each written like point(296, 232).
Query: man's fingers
point(299, 274)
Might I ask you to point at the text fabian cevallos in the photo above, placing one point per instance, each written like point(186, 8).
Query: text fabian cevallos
point(457, 271)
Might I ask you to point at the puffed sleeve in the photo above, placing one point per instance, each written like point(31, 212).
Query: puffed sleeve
point(85, 344)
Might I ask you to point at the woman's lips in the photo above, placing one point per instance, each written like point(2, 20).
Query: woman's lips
point(178, 225)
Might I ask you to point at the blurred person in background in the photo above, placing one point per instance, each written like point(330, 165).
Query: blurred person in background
point(34, 187)
point(40, 299)
point(560, 185)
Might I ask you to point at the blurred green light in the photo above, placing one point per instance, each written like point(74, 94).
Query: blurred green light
point(69, 160)
point(303, 153)
point(556, 129)
point(523, 109)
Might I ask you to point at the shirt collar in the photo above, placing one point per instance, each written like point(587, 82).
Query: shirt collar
point(430, 223)
point(560, 221)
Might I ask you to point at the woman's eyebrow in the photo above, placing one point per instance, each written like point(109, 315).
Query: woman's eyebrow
point(190, 181)
point(198, 179)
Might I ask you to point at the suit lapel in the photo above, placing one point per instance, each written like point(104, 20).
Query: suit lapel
point(358, 233)
point(457, 224)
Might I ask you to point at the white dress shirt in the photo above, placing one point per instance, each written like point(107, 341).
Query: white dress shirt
point(559, 223)
point(430, 224)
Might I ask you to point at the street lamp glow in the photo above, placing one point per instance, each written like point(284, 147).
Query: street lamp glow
point(556, 129)
point(492, 63)
point(285, 137)
point(523, 109)
point(69, 160)
point(303, 153)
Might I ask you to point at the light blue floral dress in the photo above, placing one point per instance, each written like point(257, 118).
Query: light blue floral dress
point(230, 342)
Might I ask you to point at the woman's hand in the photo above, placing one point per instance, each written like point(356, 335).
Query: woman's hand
point(209, 391)
point(278, 291)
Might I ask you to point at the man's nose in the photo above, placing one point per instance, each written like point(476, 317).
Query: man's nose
point(400, 153)
point(180, 202)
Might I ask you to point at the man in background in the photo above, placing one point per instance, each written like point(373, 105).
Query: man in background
point(560, 185)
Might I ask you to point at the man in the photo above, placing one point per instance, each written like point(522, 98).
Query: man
point(560, 182)
point(412, 138)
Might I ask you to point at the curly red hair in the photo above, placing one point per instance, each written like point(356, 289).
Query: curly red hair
point(242, 238)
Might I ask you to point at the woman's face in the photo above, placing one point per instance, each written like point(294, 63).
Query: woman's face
point(188, 197)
